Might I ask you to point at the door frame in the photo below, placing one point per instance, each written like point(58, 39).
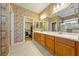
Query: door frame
point(11, 27)
point(26, 17)
point(12, 30)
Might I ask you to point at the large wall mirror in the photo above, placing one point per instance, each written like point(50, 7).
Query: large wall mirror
point(70, 24)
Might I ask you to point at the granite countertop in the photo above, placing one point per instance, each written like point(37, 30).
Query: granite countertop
point(71, 36)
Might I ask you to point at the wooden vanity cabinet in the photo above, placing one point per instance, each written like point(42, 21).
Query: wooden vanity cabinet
point(77, 48)
point(58, 46)
point(64, 47)
point(50, 43)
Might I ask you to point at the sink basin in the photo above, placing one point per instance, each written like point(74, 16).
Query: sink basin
point(60, 33)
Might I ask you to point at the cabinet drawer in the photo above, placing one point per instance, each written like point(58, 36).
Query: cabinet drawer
point(50, 37)
point(65, 41)
point(42, 37)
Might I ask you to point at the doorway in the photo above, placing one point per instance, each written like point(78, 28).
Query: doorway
point(54, 26)
point(28, 29)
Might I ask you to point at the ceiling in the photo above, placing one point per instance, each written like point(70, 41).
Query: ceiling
point(35, 7)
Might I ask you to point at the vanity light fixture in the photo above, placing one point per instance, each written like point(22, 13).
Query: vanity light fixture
point(43, 16)
point(58, 5)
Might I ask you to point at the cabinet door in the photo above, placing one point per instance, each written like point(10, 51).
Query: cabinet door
point(50, 43)
point(64, 50)
point(43, 39)
point(77, 48)
point(68, 50)
point(58, 49)
point(39, 37)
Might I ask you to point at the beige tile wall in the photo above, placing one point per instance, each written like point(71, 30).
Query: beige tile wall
point(18, 28)
point(19, 13)
point(4, 43)
point(22, 11)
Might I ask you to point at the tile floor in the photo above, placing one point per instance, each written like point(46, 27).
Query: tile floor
point(29, 48)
